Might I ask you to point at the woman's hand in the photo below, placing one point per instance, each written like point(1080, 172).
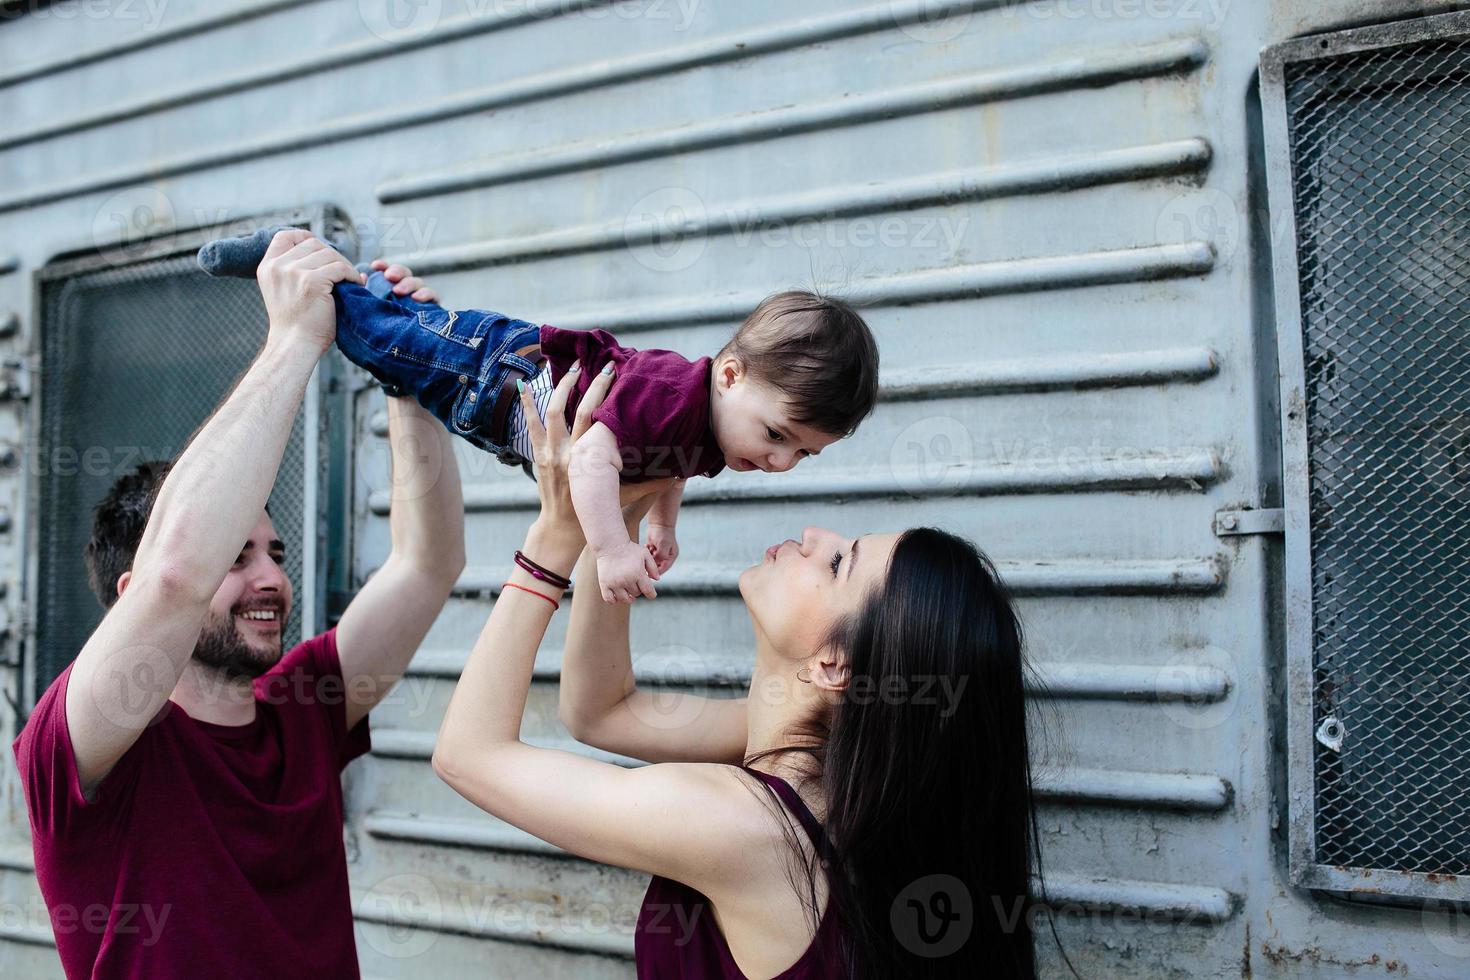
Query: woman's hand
point(551, 450)
point(557, 527)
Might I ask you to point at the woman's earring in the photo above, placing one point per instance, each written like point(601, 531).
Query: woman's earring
point(808, 678)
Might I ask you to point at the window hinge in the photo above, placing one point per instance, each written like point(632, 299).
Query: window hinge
point(1229, 523)
point(15, 379)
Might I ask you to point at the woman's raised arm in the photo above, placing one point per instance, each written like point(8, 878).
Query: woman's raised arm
point(636, 818)
point(601, 703)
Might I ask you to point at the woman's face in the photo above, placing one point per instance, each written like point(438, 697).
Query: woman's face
point(801, 588)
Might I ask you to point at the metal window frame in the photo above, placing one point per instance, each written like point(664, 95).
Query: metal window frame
point(325, 220)
point(1304, 869)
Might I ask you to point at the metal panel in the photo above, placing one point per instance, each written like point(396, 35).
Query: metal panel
point(1367, 134)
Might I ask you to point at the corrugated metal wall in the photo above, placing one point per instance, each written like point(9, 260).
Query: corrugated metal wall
point(1051, 210)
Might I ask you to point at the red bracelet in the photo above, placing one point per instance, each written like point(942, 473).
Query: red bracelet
point(554, 604)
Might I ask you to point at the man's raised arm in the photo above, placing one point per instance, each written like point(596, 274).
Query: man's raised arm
point(385, 622)
point(204, 513)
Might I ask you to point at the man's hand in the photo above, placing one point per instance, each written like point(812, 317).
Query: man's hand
point(626, 572)
point(296, 279)
point(662, 545)
point(405, 283)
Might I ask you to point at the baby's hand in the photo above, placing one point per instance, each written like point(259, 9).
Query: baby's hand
point(662, 546)
point(625, 572)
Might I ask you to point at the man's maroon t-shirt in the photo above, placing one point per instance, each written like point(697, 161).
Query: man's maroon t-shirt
point(658, 408)
point(210, 850)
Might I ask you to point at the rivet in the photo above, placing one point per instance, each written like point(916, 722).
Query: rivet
point(472, 396)
point(464, 379)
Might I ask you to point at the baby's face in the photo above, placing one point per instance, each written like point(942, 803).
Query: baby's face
point(755, 431)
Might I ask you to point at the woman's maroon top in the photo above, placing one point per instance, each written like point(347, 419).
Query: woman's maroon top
point(677, 937)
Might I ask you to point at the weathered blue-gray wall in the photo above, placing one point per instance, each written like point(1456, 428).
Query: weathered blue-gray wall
point(1054, 212)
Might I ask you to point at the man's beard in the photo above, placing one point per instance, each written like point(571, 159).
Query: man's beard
point(222, 648)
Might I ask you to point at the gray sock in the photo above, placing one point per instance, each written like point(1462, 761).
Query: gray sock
point(240, 255)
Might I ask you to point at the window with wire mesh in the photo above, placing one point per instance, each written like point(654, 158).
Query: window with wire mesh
point(1380, 145)
point(134, 360)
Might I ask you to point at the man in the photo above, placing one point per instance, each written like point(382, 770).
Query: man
point(182, 776)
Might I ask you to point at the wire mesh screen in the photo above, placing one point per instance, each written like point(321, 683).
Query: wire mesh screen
point(1380, 146)
point(134, 360)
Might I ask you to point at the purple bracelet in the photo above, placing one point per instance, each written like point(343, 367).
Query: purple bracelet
point(544, 574)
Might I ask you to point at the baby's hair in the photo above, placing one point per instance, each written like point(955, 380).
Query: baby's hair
point(817, 352)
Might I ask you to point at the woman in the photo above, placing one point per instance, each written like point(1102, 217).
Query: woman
point(867, 811)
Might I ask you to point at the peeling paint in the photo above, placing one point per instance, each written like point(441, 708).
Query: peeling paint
point(1280, 955)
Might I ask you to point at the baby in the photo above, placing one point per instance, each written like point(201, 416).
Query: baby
point(800, 373)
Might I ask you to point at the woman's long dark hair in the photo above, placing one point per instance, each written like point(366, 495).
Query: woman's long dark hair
point(926, 766)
